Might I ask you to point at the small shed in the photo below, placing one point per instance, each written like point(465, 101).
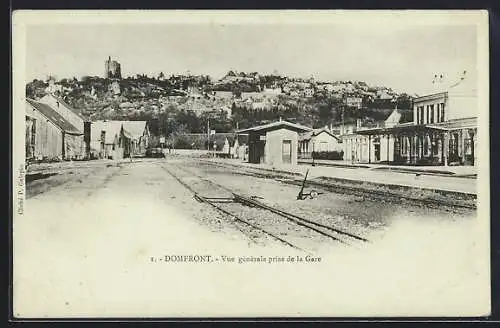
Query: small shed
point(274, 143)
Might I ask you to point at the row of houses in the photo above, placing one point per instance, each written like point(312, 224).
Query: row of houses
point(119, 139)
point(57, 131)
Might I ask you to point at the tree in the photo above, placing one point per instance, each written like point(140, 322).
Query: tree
point(403, 101)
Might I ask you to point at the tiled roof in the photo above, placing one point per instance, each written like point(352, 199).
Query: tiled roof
point(54, 117)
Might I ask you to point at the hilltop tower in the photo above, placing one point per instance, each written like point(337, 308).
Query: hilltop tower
point(112, 69)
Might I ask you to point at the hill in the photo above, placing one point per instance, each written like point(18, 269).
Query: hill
point(237, 100)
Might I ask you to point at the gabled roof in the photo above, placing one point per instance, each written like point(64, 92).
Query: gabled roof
point(394, 117)
point(310, 134)
point(112, 129)
point(65, 104)
point(134, 129)
point(275, 126)
point(54, 117)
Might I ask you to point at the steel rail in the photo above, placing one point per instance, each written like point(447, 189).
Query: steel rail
point(292, 217)
point(205, 200)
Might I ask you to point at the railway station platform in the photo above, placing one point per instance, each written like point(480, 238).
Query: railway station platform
point(457, 183)
point(456, 171)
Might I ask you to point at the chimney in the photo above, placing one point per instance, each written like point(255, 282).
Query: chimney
point(280, 118)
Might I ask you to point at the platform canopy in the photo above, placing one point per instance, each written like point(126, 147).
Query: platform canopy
point(403, 128)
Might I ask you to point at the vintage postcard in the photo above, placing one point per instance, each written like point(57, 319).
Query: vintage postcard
point(208, 164)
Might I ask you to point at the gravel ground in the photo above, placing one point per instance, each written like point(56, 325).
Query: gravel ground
point(353, 214)
point(83, 249)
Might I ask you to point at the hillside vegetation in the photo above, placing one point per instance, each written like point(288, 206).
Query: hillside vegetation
point(238, 100)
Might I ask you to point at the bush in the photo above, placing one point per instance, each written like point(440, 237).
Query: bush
point(182, 144)
point(331, 155)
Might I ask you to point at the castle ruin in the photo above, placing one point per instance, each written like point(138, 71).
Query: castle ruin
point(112, 69)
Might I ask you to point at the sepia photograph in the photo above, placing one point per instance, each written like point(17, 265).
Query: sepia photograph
point(250, 164)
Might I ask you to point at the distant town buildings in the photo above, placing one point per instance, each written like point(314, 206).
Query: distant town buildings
point(115, 88)
point(355, 102)
point(112, 69)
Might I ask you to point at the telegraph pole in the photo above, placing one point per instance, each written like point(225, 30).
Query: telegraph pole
point(208, 135)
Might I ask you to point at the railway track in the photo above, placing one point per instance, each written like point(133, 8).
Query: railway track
point(353, 190)
point(276, 224)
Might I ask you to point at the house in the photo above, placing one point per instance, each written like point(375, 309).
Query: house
point(251, 95)
point(223, 95)
point(233, 143)
point(318, 140)
point(260, 105)
point(355, 102)
point(384, 95)
point(105, 136)
point(114, 87)
point(308, 92)
point(49, 135)
point(226, 149)
point(443, 131)
point(274, 143)
point(135, 135)
point(73, 116)
point(53, 87)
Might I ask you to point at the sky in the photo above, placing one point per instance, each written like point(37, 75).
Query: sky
point(403, 57)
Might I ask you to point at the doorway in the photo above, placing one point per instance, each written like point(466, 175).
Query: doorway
point(286, 152)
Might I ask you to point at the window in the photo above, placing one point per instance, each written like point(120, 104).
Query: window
point(441, 115)
point(404, 144)
point(427, 113)
point(468, 146)
point(420, 115)
point(33, 132)
point(435, 145)
point(426, 146)
point(432, 114)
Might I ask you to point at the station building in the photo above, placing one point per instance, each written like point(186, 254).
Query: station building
point(274, 143)
point(443, 132)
